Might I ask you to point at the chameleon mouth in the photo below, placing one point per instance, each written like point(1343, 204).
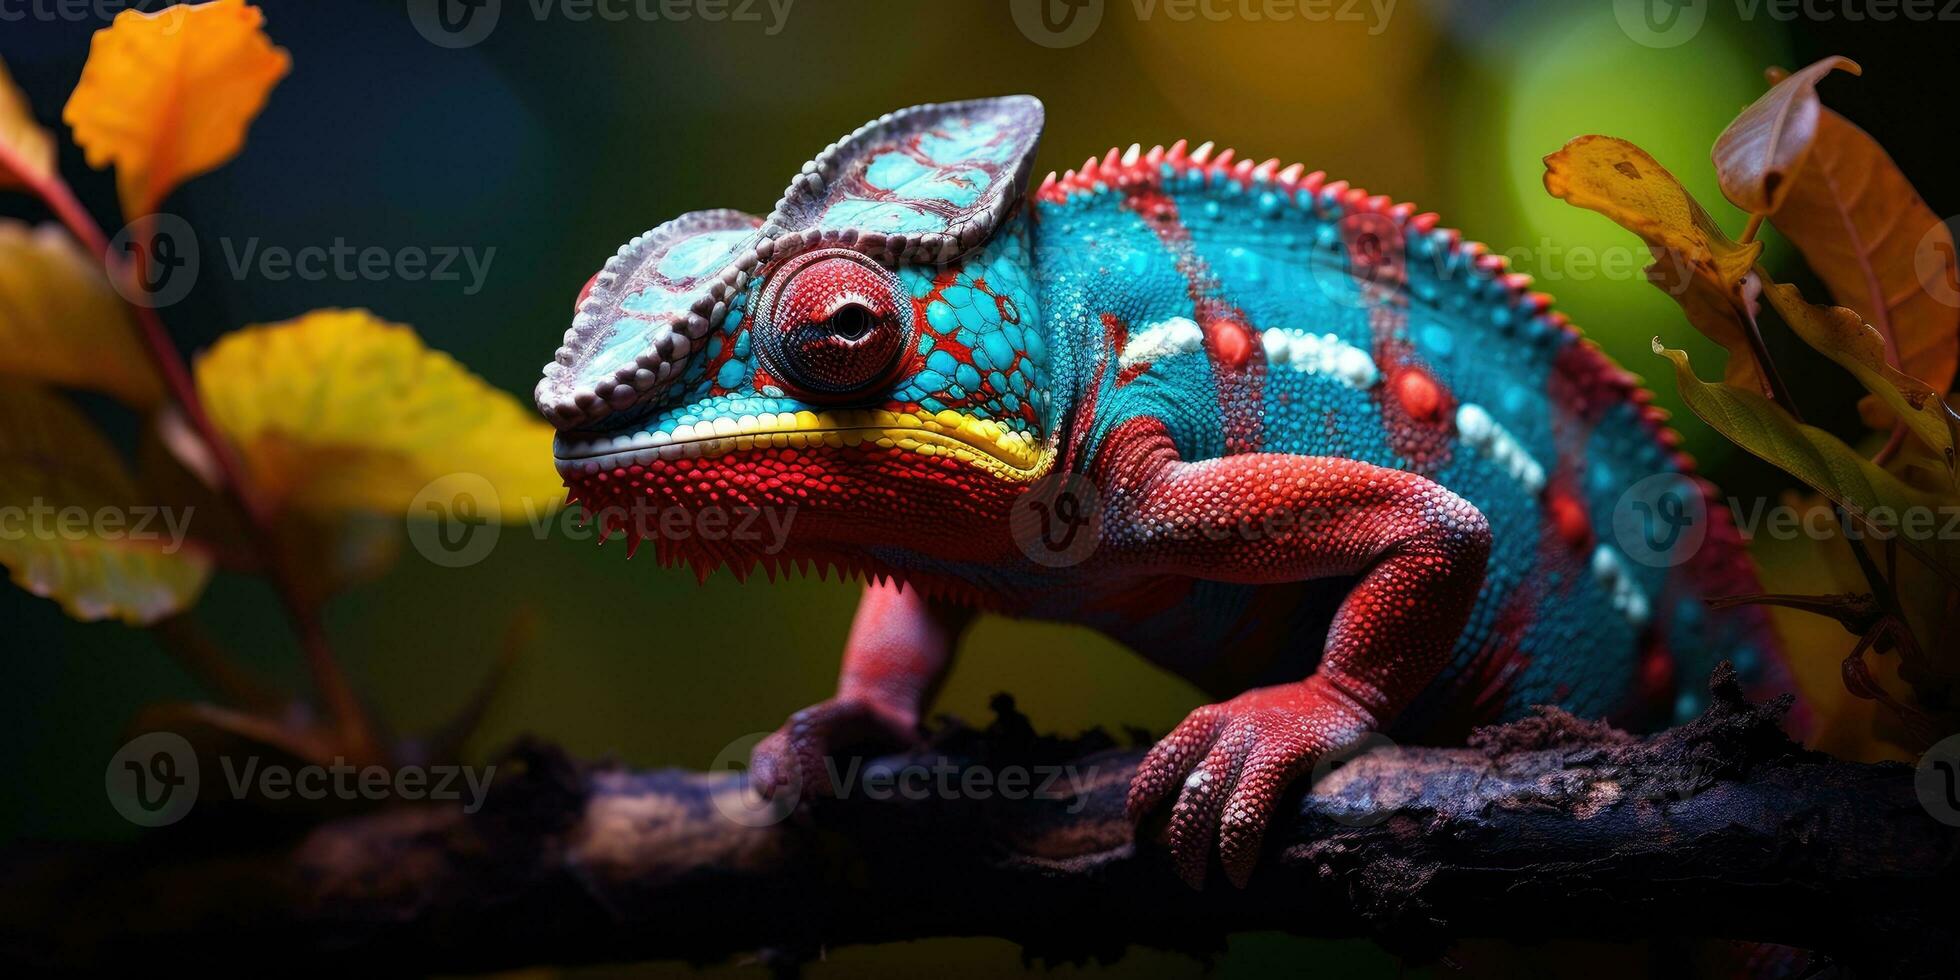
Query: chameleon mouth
point(1006, 452)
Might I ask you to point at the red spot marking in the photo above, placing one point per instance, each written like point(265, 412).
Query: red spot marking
point(1126, 375)
point(1240, 391)
point(1412, 401)
point(1231, 342)
point(1420, 396)
point(1657, 681)
point(1569, 517)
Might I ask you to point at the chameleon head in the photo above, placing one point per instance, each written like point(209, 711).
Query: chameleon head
point(868, 356)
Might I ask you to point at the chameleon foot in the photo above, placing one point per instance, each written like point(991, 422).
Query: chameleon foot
point(1228, 765)
point(797, 756)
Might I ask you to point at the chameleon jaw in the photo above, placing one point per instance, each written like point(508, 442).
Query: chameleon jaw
point(1004, 452)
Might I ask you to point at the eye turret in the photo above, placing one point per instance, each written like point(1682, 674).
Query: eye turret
point(834, 323)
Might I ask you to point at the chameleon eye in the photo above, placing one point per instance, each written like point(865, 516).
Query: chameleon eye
point(836, 323)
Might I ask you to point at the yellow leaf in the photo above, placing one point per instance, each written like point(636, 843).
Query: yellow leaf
point(1878, 501)
point(74, 527)
point(26, 150)
point(1843, 336)
point(338, 410)
point(1767, 144)
point(61, 323)
point(1879, 249)
point(166, 96)
point(1694, 261)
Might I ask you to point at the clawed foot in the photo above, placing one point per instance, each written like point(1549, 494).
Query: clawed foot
point(796, 757)
point(1229, 763)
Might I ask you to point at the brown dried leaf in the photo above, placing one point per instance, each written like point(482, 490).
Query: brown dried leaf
point(1878, 248)
point(1767, 144)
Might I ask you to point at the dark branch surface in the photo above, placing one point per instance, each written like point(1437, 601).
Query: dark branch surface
point(1549, 827)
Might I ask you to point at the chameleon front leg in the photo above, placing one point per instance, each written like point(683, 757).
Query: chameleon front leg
point(1419, 551)
point(900, 648)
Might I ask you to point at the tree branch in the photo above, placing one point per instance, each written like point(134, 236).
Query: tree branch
point(1546, 828)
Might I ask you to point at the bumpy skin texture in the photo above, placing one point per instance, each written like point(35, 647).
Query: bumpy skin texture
point(1323, 458)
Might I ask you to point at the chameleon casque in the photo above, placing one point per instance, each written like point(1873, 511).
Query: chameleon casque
point(1349, 473)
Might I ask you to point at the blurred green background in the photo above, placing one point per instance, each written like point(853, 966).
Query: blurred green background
point(555, 139)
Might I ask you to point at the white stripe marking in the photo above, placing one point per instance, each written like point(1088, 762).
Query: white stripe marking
point(1613, 573)
point(1493, 440)
point(1177, 335)
point(1322, 354)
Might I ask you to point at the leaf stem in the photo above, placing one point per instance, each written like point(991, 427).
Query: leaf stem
point(1779, 391)
point(1893, 443)
point(1880, 584)
point(203, 659)
point(1749, 233)
point(337, 696)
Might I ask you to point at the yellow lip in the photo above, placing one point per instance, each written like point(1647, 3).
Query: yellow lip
point(1005, 452)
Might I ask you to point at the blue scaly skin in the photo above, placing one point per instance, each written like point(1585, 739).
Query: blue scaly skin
point(1258, 426)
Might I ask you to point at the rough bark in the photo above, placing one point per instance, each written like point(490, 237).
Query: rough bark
point(1549, 827)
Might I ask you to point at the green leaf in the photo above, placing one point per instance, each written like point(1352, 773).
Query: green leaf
point(74, 527)
point(1881, 503)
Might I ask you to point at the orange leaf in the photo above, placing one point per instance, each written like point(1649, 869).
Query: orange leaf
point(26, 150)
point(1767, 144)
point(166, 96)
point(1694, 261)
point(1878, 247)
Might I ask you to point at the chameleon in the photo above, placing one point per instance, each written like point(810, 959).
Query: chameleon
point(1332, 463)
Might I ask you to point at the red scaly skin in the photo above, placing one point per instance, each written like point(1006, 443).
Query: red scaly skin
point(1419, 551)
